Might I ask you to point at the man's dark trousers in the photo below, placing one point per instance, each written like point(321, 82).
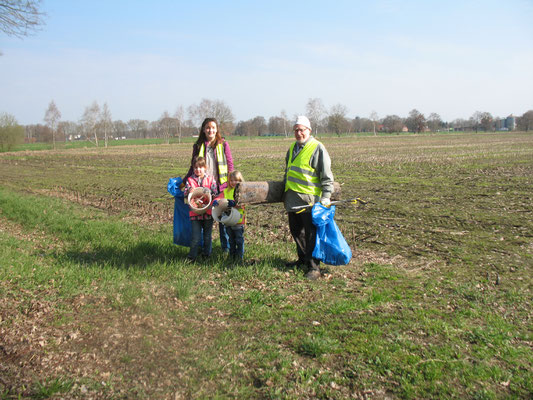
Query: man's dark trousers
point(304, 234)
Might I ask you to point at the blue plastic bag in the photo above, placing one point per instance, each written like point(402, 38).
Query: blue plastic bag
point(182, 223)
point(173, 187)
point(331, 247)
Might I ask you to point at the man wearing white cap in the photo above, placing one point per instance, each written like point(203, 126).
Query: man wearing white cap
point(308, 179)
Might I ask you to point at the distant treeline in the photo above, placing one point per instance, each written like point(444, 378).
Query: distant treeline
point(96, 123)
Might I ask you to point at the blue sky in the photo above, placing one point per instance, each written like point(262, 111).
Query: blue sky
point(144, 58)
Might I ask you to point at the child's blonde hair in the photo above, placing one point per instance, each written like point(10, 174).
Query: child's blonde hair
point(236, 175)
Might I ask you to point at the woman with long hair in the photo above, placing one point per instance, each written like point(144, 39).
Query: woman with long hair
point(216, 151)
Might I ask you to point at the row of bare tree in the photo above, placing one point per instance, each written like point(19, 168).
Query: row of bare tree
point(96, 124)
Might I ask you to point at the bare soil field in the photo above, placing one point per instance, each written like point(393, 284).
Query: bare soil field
point(425, 192)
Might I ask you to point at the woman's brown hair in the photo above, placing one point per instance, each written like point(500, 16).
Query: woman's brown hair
point(202, 138)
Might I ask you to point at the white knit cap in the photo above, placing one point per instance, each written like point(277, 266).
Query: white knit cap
point(303, 120)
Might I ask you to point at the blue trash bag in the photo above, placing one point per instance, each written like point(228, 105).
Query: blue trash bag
point(173, 187)
point(331, 247)
point(182, 223)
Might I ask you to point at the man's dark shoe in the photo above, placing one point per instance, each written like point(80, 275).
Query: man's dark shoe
point(313, 274)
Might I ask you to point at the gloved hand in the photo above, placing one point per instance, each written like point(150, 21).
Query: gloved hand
point(231, 203)
point(326, 202)
point(215, 203)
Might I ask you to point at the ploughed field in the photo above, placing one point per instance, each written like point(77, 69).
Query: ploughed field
point(96, 301)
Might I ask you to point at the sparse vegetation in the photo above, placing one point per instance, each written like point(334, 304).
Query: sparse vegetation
point(11, 133)
point(95, 300)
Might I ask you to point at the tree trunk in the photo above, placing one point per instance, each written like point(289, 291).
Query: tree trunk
point(268, 192)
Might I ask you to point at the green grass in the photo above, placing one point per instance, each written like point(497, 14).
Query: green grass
point(435, 304)
point(45, 390)
point(81, 144)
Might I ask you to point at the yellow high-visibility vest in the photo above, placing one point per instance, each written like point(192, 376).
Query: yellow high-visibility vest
point(301, 177)
point(221, 161)
point(228, 195)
